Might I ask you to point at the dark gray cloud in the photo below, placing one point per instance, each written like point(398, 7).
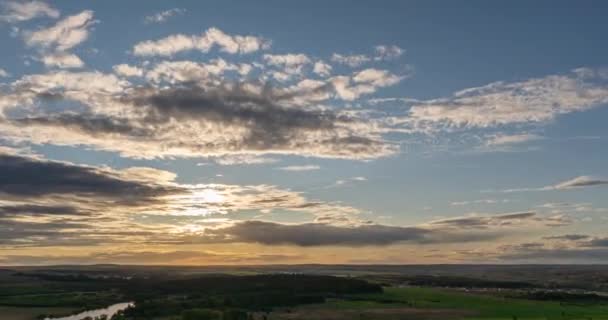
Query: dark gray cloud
point(94, 124)
point(598, 242)
point(31, 209)
point(568, 237)
point(579, 247)
point(26, 233)
point(558, 255)
point(316, 234)
point(323, 234)
point(24, 176)
point(270, 122)
point(482, 222)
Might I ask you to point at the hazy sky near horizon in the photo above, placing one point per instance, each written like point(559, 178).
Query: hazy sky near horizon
point(238, 132)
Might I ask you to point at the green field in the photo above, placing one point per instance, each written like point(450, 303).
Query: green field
point(480, 306)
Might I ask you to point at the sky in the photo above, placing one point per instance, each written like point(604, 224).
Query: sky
point(234, 132)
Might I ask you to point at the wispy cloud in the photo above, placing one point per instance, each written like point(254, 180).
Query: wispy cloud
point(64, 35)
point(300, 168)
point(350, 60)
point(19, 11)
point(506, 139)
point(501, 103)
point(574, 183)
point(164, 16)
point(211, 38)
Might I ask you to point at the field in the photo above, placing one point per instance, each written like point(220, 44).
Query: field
point(21, 313)
point(477, 306)
point(309, 293)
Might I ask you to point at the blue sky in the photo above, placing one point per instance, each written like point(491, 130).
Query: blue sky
point(469, 129)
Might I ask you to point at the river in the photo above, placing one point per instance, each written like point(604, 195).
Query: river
point(109, 312)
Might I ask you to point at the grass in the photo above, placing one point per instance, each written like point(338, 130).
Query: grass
point(483, 306)
point(17, 313)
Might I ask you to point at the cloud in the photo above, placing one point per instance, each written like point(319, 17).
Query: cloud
point(483, 222)
point(82, 85)
point(181, 257)
point(62, 60)
point(580, 182)
point(3, 73)
point(128, 71)
point(594, 250)
point(19, 11)
point(205, 42)
point(320, 233)
point(175, 72)
point(352, 61)
point(568, 237)
point(163, 16)
point(508, 220)
point(31, 177)
point(480, 201)
point(286, 60)
point(503, 139)
point(290, 65)
point(76, 205)
point(192, 120)
point(598, 242)
point(347, 182)
point(64, 35)
point(501, 103)
point(17, 210)
point(574, 183)
point(316, 234)
point(300, 168)
point(363, 82)
point(47, 203)
point(388, 52)
point(556, 255)
point(322, 69)
point(243, 159)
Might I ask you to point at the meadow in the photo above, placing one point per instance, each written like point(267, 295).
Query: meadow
point(196, 294)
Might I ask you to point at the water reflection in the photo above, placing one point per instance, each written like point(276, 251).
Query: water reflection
point(109, 312)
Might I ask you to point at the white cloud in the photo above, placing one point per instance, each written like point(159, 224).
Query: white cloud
point(62, 60)
point(300, 168)
point(504, 139)
point(209, 39)
point(188, 71)
point(74, 84)
point(501, 103)
point(347, 182)
point(580, 182)
point(388, 52)
point(290, 65)
point(322, 69)
point(163, 16)
point(480, 201)
point(64, 35)
point(376, 77)
point(350, 60)
point(3, 73)
point(287, 60)
point(128, 71)
point(18, 11)
point(243, 159)
point(363, 82)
